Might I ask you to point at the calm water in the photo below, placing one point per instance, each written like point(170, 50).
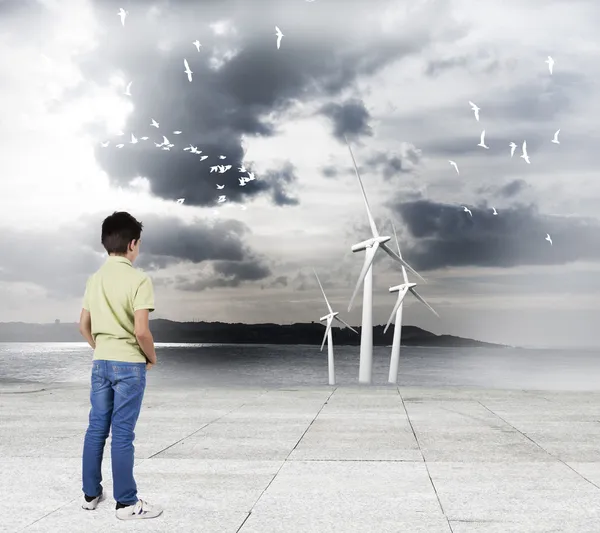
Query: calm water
point(276, 366)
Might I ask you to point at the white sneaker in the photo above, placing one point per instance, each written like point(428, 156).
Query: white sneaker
point(141, 509)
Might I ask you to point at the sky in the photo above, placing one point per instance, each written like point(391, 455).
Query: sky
point(394, 77)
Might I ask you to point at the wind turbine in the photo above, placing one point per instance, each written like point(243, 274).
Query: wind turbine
point(328, 333)
point(371, 246)
point(402, 290)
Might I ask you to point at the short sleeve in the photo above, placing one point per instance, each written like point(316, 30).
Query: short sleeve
point(86, 298)
point(144, 296)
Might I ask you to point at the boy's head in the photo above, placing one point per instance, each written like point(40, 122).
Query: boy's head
point(121, 235)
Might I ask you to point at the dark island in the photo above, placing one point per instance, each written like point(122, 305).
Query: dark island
point(218, 332)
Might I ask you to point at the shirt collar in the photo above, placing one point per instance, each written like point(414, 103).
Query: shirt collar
point(119, 259)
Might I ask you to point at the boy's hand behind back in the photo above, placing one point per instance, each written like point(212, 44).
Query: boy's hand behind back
point(149, 366)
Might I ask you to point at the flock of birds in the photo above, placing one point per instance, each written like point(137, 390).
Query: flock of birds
point(512, 145)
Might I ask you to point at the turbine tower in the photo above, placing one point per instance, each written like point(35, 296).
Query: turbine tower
point(328, 333)
point(371, 246)
point(402, 290)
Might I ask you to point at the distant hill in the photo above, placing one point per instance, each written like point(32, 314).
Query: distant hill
point(219, 332)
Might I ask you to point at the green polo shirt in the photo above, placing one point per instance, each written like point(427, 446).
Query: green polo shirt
point(112, 294)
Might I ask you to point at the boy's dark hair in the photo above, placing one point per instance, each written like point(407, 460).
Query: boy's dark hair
point(118, 230)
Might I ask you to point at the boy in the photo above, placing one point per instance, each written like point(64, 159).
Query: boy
point(115, 321)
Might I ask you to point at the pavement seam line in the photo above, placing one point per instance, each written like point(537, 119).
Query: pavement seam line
point(424, 460)
point(284, 461)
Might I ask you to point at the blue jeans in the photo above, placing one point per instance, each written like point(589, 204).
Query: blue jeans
point(116, 395)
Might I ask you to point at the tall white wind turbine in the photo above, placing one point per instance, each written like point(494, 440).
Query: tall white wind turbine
point(328, 333)
point(402, 290)
point(371, 246)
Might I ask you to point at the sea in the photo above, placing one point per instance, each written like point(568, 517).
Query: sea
point(277, 366)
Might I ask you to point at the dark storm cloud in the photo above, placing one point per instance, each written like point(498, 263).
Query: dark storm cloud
point(508, 190)
point(390, 165)
point(278, 181)
point(221, 105)
point(447, 236)
point(63, 259)
point(350, 118)
point(228, 274)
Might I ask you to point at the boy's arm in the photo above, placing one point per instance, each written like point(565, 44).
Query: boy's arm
point(85, 327)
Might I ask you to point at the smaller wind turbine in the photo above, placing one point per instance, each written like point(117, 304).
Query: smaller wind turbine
point(402, 290)
point(328, 333)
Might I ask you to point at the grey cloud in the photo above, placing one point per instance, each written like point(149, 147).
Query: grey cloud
point(513, 188)
point(279, 180)
point(446, 236)
point(221, 105)
point(482, 61)
point(227, 274)
point(350, 118)
point(390, 164)
point(329, 171)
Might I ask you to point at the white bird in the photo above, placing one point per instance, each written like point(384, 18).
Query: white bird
point(495, 212)
point(203, 157)
point(123, 14)
point(482, 141)
point(242, 182)
point(154, 123)
point(188, 147)
point(475, 110)
point(550, 63)
point(165, 148)
point(242, 169)
point(187, 70)
point(166, 141)
point(197, 44)
point(220, 186)
point(133, 139)
point(222, 199)
point(555, 140)
point(251, 176)
point(524, 155)
point(105, 144)
point(513, 147)
point(144, 138)
point(467, 210)
point(177, 132)
point(180, 201)
point(120, 145)
point(214, 169)
point(548, 238)
point(222, 157)
point(279, 36)
point(128, 89)
point(454, 165)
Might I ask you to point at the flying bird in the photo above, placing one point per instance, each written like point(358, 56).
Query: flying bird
point(454, 165)
point(180, 201)
point(120, 145)
point(128, 89)
point(548, 238)
point(203, 157)
point(524, 155)
point(166, 141)
point(279, 36)
point(495, 212)
point(243, 182)
point(177, 132)
point(250, 176)
point(214, 169)
point(133, 139)
point(123, 14)
point(105, 144)
point(555, 140)
point(166, 148)
point(187, 70)
point(222, 157)
point(242, 169)
point(550, 63)
point(197, 44)
point(222, 199)
point(475, 110)
point(154, 123)
point(467, 210)
point(144, 138)
point(220, 186)
point(513, 146)
point(482, 141)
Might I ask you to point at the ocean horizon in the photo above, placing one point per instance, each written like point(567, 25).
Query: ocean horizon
point(211, 364)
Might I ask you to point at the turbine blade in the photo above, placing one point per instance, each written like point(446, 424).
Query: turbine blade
point(420, 298)
point(346, 324)
point(368, 261)
point(400, 255)
point(326, 332)
point(393, 255)
point(401, 295)
point(362, 189)
point(326, 301)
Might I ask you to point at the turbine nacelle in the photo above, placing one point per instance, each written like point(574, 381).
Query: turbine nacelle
point(369, 243)
point(327, 317)
point(402, 286)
